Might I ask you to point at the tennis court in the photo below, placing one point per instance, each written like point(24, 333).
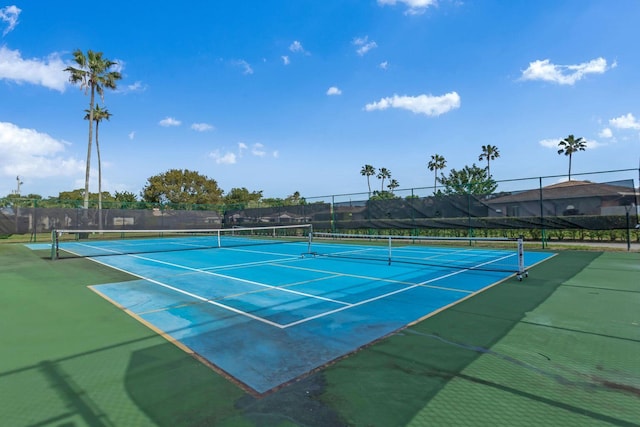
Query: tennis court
point(266, 313)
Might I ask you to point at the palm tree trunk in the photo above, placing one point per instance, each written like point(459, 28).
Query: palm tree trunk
point(569, 166)
point(99, 180)
point(88, 166)
point(435, 181)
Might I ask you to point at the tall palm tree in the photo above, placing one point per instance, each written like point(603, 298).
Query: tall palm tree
point(393, 184)
point(489, 152)
point(99, 114)
point(383, 173)
point(571, 145)
point(93, 75)
point(436, 163)
point(368, 170)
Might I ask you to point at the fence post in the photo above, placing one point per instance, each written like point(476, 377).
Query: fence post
point(332, 216)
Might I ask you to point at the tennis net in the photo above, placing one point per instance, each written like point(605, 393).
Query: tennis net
point(93, 243)
point(467, 253)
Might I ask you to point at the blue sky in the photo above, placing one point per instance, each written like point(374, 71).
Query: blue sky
point(285, 96)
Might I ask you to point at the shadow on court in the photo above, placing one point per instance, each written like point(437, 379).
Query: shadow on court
point(76, 360)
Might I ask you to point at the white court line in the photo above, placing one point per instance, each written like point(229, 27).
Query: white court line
point(327, 313)
point(251, 282)
point(370, 278)
point(192, 295)
point(211, 273)
point(288, 325)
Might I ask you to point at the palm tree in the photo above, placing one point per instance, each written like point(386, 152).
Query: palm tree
point(368, 170)
point(571, 145)
point(99, 114)
point(382, 174)
point(436, 163)
point(93, 75)
point(489, 152)
point(393, 184)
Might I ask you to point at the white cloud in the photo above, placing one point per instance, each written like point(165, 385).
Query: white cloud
point(46, 72)
point(202, 127)
point(169, 121)
point(136, 87)
point(296, 47)
point(384, 65)
point(27, 152)
point(118, 65)
point(422, 104)
point(606, 133)
point(227, 158)
point(285, 60)
point(593, 144)
point(247, 70)
point(132, 135)
point(625, 122)
point(564, 74)
point(258, 150)
point(9, 15)
point(553, 143)
point(334, 91)
point(364, 45)
point(550, 143)
point(415, 7)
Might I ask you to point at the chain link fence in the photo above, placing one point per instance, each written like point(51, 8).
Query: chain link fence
point(586, 208)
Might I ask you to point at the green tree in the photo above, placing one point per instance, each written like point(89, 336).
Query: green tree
point(383, 173)
point(78, 196)
point(270, 202)
point(74, 195)
point(181, 186)
point(489, 152)
point(125, 196)
point(368, 171)
point(571, 145)
point(295, 199)
point(383, 195)
point(93, 74)
point(468, 180)
point(393, 184)
point(242, 196)
point(436, 163)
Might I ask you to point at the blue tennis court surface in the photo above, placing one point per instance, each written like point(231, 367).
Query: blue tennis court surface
point(265, 315)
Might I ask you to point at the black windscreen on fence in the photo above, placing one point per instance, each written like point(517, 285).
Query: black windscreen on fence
point(569, 205)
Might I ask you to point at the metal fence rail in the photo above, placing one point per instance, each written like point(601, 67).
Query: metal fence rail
point(590, 207)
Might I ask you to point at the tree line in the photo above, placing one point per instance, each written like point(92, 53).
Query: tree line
point(176, 186)
point(470, 179)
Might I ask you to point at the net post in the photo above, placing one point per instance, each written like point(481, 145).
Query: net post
point(218, 233)
point(310, 238)
point(389, 250)
point(54, 244)
point(521, 269)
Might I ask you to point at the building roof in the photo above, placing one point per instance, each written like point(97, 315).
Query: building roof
point(568, 190)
